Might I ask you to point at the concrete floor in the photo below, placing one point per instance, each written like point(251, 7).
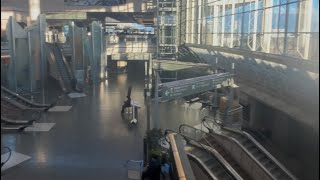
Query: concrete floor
point(91, 141)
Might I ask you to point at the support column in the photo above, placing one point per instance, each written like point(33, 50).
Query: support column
point(223, 23)
point(42, 30)
point(34, 9)
point(102, 55)
point(93, 64)
point(285, 45)
point(83, 35)
point(215, 26)
point(188, 21)
point(267, 26)
point(192, 21)
point(31, 77)
point(204, 31)
point(215, 103)
point(232, 23)
point(305, 19)
point(156, 101)
point(199, 21)
point(255, 26)
point(73, 60)
point(242, 25)
point(12, 74)
point(230, 98)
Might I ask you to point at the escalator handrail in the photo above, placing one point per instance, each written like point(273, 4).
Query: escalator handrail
point(244, 150)
point(214, 153)
point(13, 127)
point(21, 106)
point(24, 99)
point(11, 121)
point(258, 145)
point(203, 166)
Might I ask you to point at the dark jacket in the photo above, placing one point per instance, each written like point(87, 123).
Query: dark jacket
point(154, 171)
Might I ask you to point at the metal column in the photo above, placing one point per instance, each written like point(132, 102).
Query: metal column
point(73, 48)
point(30, 64)
point(12, 77)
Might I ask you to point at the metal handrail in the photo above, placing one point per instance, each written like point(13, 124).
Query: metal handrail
point(203, 147)
point(244, 150)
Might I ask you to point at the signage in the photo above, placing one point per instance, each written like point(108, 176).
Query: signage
point(181, 88)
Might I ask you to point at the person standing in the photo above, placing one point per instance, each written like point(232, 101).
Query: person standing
point(127, 103)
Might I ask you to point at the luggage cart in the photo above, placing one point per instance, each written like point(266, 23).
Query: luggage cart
point(135, 169)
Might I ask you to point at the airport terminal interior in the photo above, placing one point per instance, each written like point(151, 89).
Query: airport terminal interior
point(160, 89)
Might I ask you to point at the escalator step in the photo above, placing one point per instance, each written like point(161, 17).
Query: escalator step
point(210, 162)
point(277, 174)
point(259, 156)
point(215, 166)
point(220, 172)
point(205, 158)
point(255, 152)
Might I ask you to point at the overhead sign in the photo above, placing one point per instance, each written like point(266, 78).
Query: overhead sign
point(186, 87)
point(169, 65)
point(131, 57)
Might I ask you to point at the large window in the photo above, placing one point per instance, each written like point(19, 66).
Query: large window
point(286, 27)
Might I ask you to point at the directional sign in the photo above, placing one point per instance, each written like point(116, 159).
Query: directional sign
point(181, 88)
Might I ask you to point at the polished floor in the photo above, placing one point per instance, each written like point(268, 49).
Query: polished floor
point(92, 140)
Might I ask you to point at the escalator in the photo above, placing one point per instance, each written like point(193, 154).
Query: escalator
point(207, 164)
point(210, 163)
point(218, 158)
point(7, 94)
point(247, 145)
point(270, 163)
point(60, 69)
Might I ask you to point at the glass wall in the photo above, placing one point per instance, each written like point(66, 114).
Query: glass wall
point(285, 27)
